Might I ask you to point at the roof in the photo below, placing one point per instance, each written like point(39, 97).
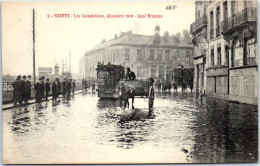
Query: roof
point(133, 39)
point(109, 67)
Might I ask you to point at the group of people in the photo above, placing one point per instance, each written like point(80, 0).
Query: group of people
point(22, 90)
point(65, 88)
point(86, 85)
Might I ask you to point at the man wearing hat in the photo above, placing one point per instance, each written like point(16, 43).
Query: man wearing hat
point(151, 96)
point(42, 87)
point(17, 92)
point(55, 89)
point(27, 89)
point(47, 88)
point(129, 74)
point(38, 91)
point(23, 87)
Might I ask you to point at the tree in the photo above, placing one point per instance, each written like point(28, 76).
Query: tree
point(103, 40)
point(186, 36)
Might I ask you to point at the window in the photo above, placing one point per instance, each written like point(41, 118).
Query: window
point(114, 58)
point(238, 53)
point(139, 71)
point(187, 56)
point(153, 71)
point(139, 54)
point(225, 10)
point(167, 55)
point(177, 55)
point(159, 55)
point(217, 21)
point(251, 51)
point(212, 57)
point(211, 25)
point(127, 52)
point(151, 54)
point(219, 56)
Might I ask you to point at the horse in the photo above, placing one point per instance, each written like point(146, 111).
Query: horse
point(124, 95)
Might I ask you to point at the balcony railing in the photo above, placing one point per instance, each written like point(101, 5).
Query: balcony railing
point(251, 60)
point(199, 23)
point(246, 15)
point(237, 63)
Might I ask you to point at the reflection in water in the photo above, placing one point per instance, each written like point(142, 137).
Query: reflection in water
point(186, 126)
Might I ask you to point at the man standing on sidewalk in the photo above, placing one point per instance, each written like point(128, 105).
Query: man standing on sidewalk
point(64, 88)
point(23, 88)
point(83, 83)
point(47, 88)
point(42, 87)
point(73, 86)
point(55, 89)
point(38, 91)
point(17, 92)
point(68, 89)
point(27, 89)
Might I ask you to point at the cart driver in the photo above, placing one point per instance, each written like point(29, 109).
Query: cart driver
point(129, 74)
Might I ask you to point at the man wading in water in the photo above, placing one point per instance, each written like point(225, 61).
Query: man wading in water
point(151, 96)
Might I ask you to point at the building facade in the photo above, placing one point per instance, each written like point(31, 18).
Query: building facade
point(239, 29)
point(225, 56)
point(148, 56)
point(198, 29)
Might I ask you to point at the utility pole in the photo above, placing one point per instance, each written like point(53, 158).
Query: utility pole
point(34, 77)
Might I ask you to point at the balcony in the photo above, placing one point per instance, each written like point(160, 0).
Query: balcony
point(198, 24)
point(239, 19)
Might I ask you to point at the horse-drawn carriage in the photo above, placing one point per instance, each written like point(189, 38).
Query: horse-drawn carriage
point(111, 82)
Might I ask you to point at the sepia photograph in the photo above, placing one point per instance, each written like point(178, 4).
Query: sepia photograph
point(129, 82)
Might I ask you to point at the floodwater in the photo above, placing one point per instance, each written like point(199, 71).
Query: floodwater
point(185, 129)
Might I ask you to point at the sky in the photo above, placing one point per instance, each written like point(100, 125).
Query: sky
point(56, 37)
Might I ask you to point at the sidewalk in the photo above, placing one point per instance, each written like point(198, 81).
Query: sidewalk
point(32, 101)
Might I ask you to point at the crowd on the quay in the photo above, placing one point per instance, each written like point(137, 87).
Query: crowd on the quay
point(86, 84)
point(22, 87)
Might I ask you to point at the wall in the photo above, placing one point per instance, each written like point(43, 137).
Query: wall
point(243, 85)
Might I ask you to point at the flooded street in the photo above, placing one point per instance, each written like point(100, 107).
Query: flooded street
point(185, 129)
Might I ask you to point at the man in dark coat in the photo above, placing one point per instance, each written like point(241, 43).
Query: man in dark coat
point(38, 91)
point(17, 92)
point(151, 96)
point(27, 90)
point(42, 87)
point(130, 75)
point(73, 86)
point(64, 88)
point(47, 88)
point(68, 88)
point(23, 88)
point(59, 87)
point(83, 83)
point(55, 90)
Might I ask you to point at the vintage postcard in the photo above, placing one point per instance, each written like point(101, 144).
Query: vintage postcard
point(129, 82)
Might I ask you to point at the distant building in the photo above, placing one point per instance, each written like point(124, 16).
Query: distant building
point(148, 56)
point(56, 70)
point(44, 71)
